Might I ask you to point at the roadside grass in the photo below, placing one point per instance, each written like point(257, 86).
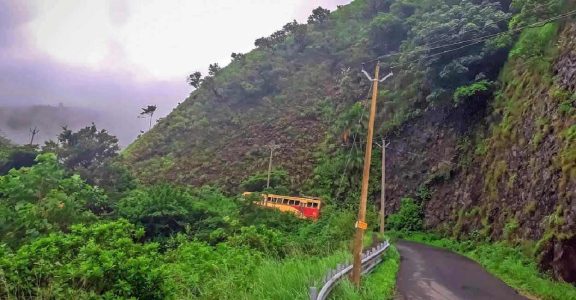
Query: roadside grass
point(290, 278)
point(506, 262)
point(379, 284)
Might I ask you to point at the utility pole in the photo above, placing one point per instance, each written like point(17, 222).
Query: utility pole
point(383, 186)
point(33, 133)
point(361, 222)
point(272, 147)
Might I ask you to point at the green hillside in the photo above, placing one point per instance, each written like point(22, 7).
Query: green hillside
point(480, 124)
point(299, 87)
point(473, 136)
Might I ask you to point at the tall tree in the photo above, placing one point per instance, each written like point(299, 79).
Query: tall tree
point(318, 15)
point(213, 69)
point(149, 110)
point(86, 149)
point(195, 79)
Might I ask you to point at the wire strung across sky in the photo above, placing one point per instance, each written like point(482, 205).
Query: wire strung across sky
point(493, 23)
point(473, 41)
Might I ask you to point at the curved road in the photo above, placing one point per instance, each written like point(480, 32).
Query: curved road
point(432, 273)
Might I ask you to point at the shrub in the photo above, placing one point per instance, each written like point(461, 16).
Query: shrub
point(408, 218)
point(535, 42)
point(477, 90)
point(42, 199)
point(98, 260)
point(196, 269)
point(261, 238)
point(165, 210)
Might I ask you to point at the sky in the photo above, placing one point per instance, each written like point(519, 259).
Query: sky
point(115, 56)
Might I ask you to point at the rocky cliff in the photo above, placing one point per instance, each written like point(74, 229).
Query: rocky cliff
point(511, 173)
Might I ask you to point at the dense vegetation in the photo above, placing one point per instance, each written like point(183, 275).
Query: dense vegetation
point(63, 237)
point(78, 219)
point(302, 82)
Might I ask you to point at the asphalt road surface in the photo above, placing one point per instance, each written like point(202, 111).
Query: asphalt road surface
point(432, 273)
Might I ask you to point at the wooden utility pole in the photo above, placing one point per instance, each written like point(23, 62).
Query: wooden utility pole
point(383, 187)
point(272, 148)
point(33, 133)
point(361, 222)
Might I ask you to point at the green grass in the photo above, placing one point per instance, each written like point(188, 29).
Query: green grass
point(272, 279)
point(380, 284)
point(508, 263)
point(290, 278)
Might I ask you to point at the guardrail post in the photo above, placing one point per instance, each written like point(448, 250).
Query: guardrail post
point(313, 292)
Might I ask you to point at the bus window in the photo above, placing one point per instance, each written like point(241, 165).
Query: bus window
point(315, 205)
point(309, 204)
point(284, 201)
point(291, 202)
point(297, 203)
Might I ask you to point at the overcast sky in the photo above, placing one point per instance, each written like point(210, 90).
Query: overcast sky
point(123, 54)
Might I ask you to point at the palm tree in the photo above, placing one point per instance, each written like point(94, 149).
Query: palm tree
point(149, 110)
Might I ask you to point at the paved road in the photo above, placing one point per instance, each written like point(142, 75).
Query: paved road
point(432, 273)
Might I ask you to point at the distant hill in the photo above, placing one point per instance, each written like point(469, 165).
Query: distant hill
point(16, 122)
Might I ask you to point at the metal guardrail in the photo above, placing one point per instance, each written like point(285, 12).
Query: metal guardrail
point(370, 259)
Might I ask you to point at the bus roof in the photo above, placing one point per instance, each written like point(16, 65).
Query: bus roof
point(306, 198)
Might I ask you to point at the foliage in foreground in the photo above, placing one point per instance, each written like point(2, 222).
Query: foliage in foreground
point(43, 199)
point(156, 242)
point(378, 285)
point(102, 259)
point(508, 263)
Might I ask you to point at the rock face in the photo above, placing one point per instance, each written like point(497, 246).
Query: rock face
point(512, 175)
point(565, 67)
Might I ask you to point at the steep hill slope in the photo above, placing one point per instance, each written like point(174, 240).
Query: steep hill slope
point(481, 130)
point(275, 94)
point(300, 84)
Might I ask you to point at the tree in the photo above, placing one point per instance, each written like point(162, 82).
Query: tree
point(84, 151)
point(42, 199)
point(291, 26)
point(464, 21)
point(195, 79)
point(318, 15)
point(149, 110)
point(213, 69)
point(237, 56)
point(263, 42)
point(386, 33)
point(16, 157)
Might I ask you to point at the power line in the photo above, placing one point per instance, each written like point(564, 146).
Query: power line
point(483, 39)
point(492, 23)
point(471, 42)
point(478, 39)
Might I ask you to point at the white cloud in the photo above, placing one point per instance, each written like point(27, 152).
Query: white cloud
point(158, 39)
